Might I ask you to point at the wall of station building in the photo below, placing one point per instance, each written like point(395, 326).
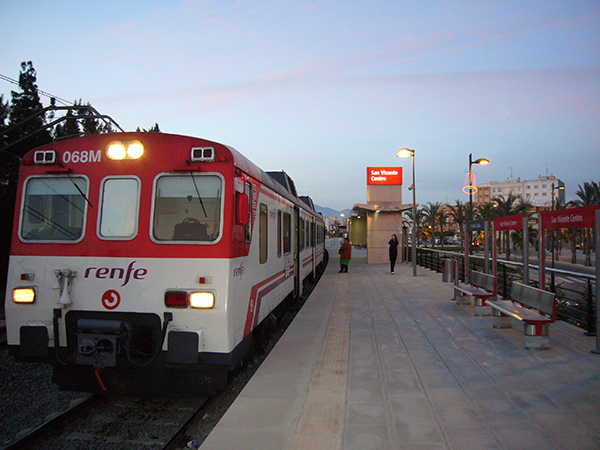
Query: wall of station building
point(381, 216)
point(381, 226)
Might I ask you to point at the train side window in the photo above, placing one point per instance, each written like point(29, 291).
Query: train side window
point(187, 208)
point(119, 208)
point(264, 233)
point(287, 233)
point(54, 209)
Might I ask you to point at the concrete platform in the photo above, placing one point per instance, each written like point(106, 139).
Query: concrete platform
point(381, 361)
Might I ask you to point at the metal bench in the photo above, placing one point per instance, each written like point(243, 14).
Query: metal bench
point(481, 287)
point(534, 307)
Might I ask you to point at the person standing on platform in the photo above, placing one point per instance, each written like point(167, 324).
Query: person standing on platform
point(345, 252)
point(393, 249)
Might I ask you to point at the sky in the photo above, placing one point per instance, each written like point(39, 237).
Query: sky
point(325, 89)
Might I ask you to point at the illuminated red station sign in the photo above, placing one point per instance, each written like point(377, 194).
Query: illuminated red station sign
point(570, 218)
point(384, 175)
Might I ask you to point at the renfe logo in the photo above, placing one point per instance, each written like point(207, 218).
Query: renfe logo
point(384, 175)
point(238, 271)
point(118, 273)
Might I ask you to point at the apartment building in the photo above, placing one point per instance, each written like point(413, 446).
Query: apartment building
point(538, 192)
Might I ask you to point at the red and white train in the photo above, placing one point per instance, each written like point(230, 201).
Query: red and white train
point(147, 262)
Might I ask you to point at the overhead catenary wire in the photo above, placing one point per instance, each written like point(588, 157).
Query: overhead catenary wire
point(53, 100)
point(44, 93)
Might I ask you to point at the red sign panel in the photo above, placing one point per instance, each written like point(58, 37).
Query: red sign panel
point(570, 218)
point(509, 222)
point(384, 175)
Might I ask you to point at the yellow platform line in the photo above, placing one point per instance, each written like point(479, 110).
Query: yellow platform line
point(321, 425)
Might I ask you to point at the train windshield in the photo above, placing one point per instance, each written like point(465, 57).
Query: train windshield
point(54, 209)
point(119, 208)
point(187, 208)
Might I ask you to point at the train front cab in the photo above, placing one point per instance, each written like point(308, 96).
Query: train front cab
point(90, 295)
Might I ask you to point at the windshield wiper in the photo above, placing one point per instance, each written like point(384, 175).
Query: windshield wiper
point(198, 192)
point(80, 191)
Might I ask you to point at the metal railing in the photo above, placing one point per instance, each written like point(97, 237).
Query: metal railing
point(575, 298)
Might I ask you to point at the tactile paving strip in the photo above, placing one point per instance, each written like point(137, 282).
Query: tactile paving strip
point(321, 425)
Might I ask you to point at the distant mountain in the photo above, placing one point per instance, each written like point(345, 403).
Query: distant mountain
point(331, 212)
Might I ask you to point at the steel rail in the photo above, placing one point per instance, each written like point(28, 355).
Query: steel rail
point(59, 421)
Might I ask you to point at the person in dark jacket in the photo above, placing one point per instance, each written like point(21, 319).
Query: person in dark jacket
point(345, 252)
point(393, 249)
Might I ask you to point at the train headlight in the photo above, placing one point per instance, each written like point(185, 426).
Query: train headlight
point(24, 295)
point(120, 150)
point(203, 300)
point(116, 150)
point(135, 149)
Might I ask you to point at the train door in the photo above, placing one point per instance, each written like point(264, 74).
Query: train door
point(296, 250)
point(313, 247)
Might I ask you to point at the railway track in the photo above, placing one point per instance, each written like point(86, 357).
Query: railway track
point(29, 439)
point(104, 422)
point(117, 422)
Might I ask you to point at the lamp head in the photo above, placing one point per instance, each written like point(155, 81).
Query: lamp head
point(405, 153)
point(482, 161)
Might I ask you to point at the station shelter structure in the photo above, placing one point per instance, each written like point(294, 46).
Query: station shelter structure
point(372, 224)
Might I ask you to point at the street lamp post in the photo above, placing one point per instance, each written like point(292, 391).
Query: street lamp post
point(552, 285)
point(482, 161)
point(405, 153)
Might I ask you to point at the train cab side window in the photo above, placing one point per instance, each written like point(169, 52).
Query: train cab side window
point(264, 233)
point(119, 208)
point(187, 208)
point(249, 225)
point(54, 209)
point(287, 233)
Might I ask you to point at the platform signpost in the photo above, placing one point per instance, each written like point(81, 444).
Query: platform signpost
point(508, 223)
point(597, 350)
point(584, 217)
point(472, 225)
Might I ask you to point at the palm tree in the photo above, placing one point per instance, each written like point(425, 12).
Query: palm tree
point(432, 216)
point(488, 211)
point(588, 195)
point(595, 187)
point(517, 237)
point(418, 223)
point(459, 214)
point(442, 220)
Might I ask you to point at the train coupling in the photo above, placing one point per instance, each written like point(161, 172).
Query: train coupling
point(97, 342)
